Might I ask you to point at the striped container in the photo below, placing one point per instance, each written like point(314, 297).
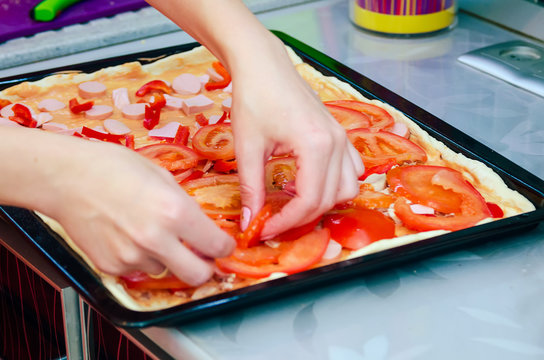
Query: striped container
point(403, 17)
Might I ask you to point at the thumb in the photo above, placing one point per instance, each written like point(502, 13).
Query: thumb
point(252, 190)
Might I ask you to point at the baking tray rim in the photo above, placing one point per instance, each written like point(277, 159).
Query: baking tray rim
point(89, 286)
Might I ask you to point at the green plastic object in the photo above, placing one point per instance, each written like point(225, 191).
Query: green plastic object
point(48, 10)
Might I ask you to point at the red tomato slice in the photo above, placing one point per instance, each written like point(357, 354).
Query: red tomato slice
point(214, 142)
point(280, 171)
point(300, 255)
point(348, 118)
point(469, 205)
point(173, 157)
point(218, 196)
point(415, 184)
point(358, 228)
point(379, 148)
point(378, 118)
point(252, 235)
point(139, 280)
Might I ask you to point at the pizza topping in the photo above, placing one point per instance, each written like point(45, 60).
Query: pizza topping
point(296, 256)
point(421, 209)
point(495, 210)
point(214, 142)
point(334, 249)
point(225, 166)
point(50, 105)
point(91, 89)
point(357, 228)
point(168, 131)
point(172, 102)
point(4, 103)
point(251, 235)
point(100, 134)
point(213, 75)
point(116, 127)
point(139, 280)
point(76, 107)
point(458, 203)
point(43, 118)
point(197, 104)
point(99, 112)
point(154, 85)
point(218, 196)
point(400, 129)
point(226, 104)
point(379, 148)
point(22, 116)
point(217, 83)
point(279, 171)
point(134, 111)
point(379, 119)
point(187, 84)
point(172, 157)
point(53, 126)
point(348, 118)
point(120, 97)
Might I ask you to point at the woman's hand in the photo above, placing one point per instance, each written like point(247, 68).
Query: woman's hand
point(123, 211)
point(275, 112)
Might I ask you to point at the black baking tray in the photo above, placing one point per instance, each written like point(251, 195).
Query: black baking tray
point(90, 287)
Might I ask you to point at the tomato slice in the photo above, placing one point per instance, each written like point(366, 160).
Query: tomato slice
point(379, 148)
point(279, 171)
point(349, 119)
point(218, 195)
point(139, 280)
point(173, 157)
point(415, 183)
point(296, 256)
point(378, 118)
point(370, 199)
point(459, 204)
point(214, 142)
point(252, 235)
point(359, 227)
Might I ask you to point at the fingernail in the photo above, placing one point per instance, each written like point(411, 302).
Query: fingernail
point(246, 215)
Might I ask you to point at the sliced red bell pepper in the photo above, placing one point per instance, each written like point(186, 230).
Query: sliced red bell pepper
point(201, 119)
point(91, 133)
point(23, 116)
point(378, 169)
point(129, 141)
point(251, 236)
point(154, 85)
point(223, 117)
point(76, 107)
point(152, 117)
point(214, 85)
point(182, 135)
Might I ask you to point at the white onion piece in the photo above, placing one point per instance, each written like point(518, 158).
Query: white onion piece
point(421, 209)
point(400, 129)
point(333, 250)
point(378, 181)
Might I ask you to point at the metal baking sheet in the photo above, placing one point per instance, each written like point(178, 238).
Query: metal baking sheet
point(90, 287)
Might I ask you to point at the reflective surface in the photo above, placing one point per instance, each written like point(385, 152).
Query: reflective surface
point(480, 303)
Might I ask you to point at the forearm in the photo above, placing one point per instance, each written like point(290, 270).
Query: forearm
point(227, 28)
point(32, 166)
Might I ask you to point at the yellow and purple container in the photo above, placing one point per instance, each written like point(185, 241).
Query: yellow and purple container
point(403, 17)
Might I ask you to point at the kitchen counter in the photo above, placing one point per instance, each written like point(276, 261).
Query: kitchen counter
point(482, 302)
